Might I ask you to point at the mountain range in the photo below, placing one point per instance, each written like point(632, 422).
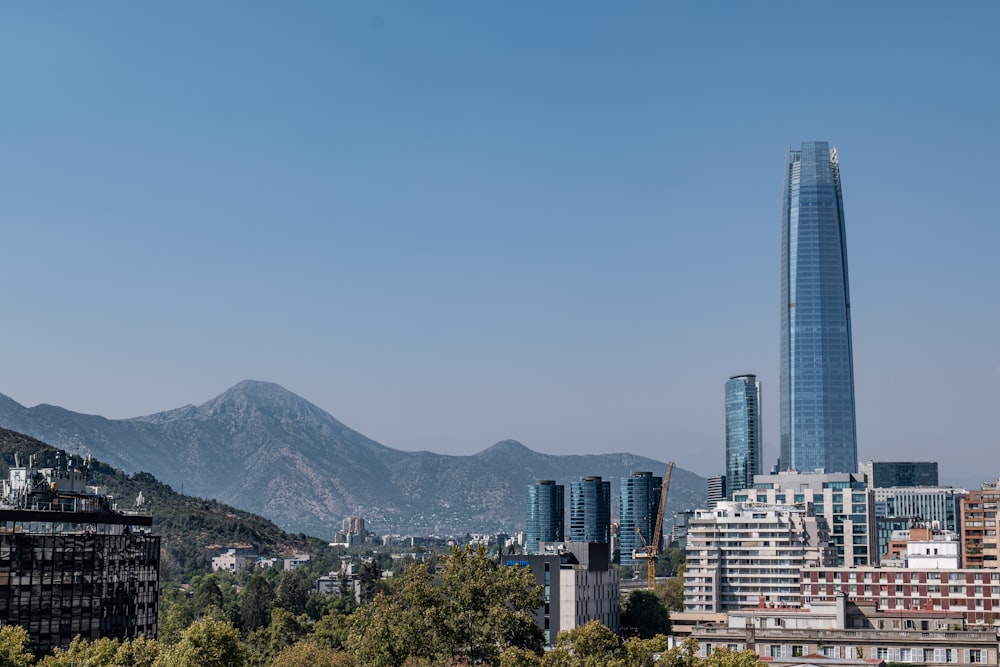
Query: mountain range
point(262, 448)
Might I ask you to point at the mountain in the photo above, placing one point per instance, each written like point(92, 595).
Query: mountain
point(264, 449)
point(191, 529)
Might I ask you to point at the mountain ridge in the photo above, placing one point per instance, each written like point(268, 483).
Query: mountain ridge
point(263, 448)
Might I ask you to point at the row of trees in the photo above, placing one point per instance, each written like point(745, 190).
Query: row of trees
point(469, 610)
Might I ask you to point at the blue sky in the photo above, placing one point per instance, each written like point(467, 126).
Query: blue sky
point(451, 223)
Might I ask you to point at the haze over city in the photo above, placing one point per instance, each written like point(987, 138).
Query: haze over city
point(448, 224)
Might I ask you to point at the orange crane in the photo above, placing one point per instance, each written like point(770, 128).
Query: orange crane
point(652, 547)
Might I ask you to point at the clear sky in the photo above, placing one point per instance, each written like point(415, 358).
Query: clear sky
point(451, 223)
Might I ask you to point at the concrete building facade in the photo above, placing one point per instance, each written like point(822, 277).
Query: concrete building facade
point(843, 499)
point(740, 553)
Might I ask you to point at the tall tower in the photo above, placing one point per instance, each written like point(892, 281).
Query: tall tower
point(640, 503)
point(590, 510)
point(743, 435)
point(817, 366)
point(546, 514)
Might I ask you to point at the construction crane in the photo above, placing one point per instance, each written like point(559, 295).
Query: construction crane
point(651, 548)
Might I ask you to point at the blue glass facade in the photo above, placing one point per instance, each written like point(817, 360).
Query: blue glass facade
point(640, 503)
point(590, 510)
point(817, 367)
point(546, 514)
point(743, 432)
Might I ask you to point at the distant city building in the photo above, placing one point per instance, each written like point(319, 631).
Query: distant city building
point(353, 524)
point(817, 423)
point(980, 526)
point(640, 503)
point(71, 564)
point(886, 528)
point(590, 511)
point(717, 490)
point(884, 474)
point(579, 584)
point(296, 561)
point(899, 508)
point(546, 514)
point(743, 431)
point(234, 560)
point(679, 531)
point(352, 532)
point(925, 548)
point(843, 499)
point(741, 553)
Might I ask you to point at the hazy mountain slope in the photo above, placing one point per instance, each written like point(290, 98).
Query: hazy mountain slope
point(260, 447)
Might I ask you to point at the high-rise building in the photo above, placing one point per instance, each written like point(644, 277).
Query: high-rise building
point(546, 514)
point(741, 553)
point(885, 474)
point(590, 510)
point(640, 503)
point(843, 499)
point(716, 490)
point(743, 434)
point(817, 369)
point(980, 526)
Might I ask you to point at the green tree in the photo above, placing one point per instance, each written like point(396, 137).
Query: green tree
point(331, 630)
point(644, 615)
point(488, 607)
point(175, 617)
point(98, 653)
point(589, 645)
point(641, 652)
point(208, 594)
point(478, 610)
point(685, 655)
point(395, 627)
point(255, 603)
point(308, 654)
point(519, 657)
point(291, 591)
point(15, 647)
point(370, 576)
point(673, 591)
point(722, 657)
point(207, 643)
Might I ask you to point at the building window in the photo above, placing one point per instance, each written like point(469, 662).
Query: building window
point(905, 655)
point(798, 651)
point(774, 650)
point(974, 655)
point(881, 653)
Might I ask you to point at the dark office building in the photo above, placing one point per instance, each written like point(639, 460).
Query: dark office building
point(546, 514)
point(590, 511)
point(886, 474)
point(70, 564)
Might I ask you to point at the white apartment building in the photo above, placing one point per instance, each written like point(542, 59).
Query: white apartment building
point(739, 554)
point(843, 499)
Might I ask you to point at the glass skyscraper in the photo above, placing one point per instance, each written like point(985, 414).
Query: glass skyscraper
point(640, 503)
point(743, 435)
point(590, 510)
point(817, 367)
point(546, 514)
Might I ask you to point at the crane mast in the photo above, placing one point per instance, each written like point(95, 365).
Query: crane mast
point(651, 548)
